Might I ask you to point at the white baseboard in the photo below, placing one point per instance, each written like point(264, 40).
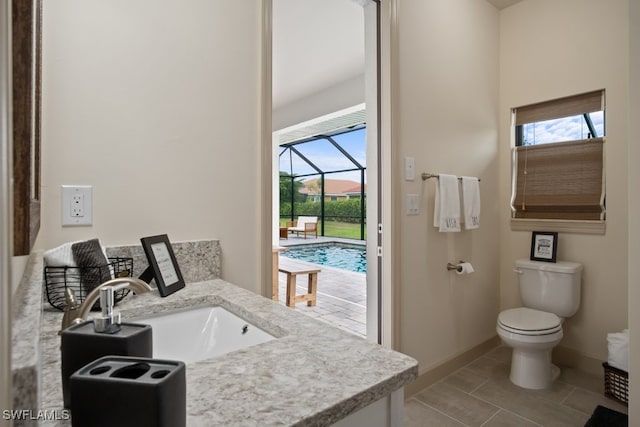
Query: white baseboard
point(449, 366)
point(562, 356)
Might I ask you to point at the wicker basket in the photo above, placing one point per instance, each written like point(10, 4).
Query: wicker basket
point(616, 383)
point(81, 280)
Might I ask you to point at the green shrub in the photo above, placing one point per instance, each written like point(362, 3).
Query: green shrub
point(340, 210)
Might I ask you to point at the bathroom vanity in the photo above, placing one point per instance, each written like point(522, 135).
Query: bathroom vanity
point(311, 373)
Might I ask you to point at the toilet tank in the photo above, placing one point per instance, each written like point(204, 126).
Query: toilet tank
point(551, 287)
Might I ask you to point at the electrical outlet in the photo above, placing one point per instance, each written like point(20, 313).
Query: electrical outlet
point(76, 205)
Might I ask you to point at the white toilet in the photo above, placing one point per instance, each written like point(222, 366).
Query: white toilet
point(550, 293)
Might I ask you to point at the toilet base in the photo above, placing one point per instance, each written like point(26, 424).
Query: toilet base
point(533, 369)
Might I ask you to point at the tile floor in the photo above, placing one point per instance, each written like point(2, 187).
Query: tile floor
point(480, 394)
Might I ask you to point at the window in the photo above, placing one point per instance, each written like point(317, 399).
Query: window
point(558, 160)
point(318, 175)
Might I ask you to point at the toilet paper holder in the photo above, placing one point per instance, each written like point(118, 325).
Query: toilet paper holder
point(456, 267)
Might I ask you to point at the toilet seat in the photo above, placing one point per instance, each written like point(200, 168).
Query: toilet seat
point(527, 321)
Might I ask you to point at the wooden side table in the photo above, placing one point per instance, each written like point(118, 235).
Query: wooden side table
point(275, 256)
point(292, 269)
point(284, 232)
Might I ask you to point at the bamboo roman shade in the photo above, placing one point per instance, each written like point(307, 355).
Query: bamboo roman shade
point(558, 108)
point(563, 180)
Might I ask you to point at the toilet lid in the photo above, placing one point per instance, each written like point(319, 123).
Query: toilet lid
point(527, 321)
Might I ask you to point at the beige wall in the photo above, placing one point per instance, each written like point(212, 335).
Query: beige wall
point(160, 113)
point(447, 103)
point(634, 208)
point(157, 106)
point(550, 49)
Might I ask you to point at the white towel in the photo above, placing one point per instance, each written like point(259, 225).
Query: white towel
point(446, 215)
point(60, 256)
point(471, 202)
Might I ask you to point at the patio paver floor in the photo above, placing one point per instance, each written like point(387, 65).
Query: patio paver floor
point(341, 295)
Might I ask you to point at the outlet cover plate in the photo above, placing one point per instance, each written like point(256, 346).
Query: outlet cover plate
point(77, 205)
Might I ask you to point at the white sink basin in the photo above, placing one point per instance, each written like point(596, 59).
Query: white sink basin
point(201, 333)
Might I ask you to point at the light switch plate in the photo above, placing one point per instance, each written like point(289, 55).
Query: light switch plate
point(413, 204)
point(77, 205)
point(409, 168)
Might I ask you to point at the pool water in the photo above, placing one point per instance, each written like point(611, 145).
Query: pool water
point(340, 255)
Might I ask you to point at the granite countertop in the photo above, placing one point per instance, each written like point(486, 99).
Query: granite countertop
point(312, 374)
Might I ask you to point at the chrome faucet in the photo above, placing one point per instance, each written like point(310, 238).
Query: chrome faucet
point(109, 321)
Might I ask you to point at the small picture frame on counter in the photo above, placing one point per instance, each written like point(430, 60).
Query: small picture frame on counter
point(544, 246)
point(163, 266)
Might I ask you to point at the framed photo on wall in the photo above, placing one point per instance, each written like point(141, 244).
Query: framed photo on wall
point(544, 245)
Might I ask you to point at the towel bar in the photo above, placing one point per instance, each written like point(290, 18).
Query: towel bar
point(426, 176)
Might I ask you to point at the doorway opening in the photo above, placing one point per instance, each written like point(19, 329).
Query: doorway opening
point(321, 184)
point(322, 181)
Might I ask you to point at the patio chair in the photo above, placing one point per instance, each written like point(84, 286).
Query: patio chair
point(305, 224)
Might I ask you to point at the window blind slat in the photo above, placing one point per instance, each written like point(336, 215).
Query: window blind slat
point(561, 180)
point(558, 108)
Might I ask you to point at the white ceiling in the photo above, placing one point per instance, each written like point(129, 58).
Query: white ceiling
point(501, 4)
point(318, 44)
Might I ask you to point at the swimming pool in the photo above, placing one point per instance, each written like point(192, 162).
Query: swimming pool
point(340, 255)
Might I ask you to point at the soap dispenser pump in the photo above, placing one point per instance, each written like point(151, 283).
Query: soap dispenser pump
point(109, 322)
point(104, 336)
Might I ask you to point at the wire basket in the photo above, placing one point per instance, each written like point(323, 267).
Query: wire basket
point(616, 383)
point(82, 280)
